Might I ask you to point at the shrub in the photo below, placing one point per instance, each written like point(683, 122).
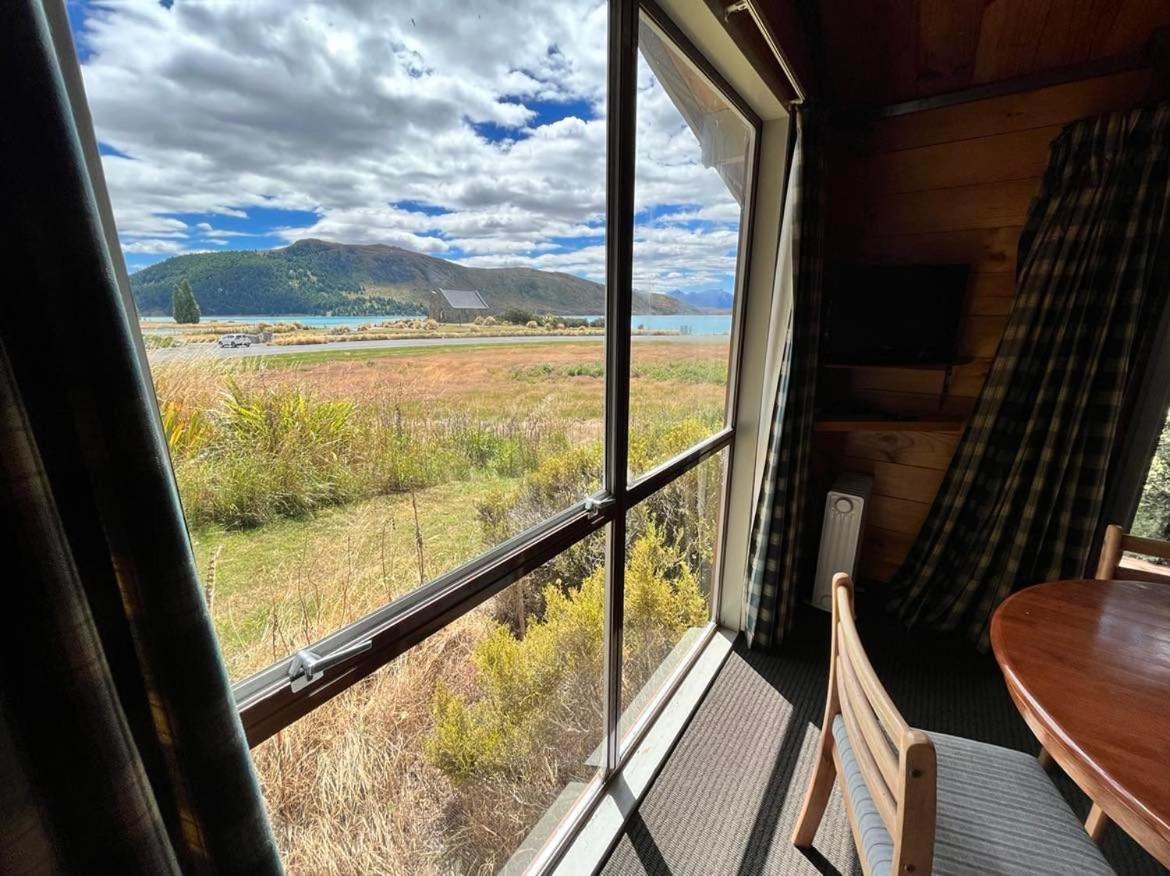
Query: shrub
point(1153, 513)
point(271, 453)
point(517, 316)
point(535, 709)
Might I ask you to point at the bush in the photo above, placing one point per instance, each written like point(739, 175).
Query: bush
point(534, 713)
point(1153, 514)
point(517, 316)
point(269, 453)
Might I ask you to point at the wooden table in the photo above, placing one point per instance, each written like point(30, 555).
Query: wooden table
point(1088, 665)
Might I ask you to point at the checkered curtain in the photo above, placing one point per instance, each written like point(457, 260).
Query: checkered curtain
point(121, 750)
point(1022, 499)
point(780, 512)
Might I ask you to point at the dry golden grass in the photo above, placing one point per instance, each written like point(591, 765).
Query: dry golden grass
point(348, 787)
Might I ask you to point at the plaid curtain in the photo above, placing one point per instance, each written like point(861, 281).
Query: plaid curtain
point(120, 747)
point(780, 512)
point(1022, 498)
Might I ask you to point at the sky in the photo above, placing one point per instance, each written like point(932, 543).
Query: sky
point(472, 131)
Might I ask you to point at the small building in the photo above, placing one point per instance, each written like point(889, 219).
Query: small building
point(457, 305)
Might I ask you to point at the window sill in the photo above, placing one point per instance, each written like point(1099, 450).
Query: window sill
point(625, 790)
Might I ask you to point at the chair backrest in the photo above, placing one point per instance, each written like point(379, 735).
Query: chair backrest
point(895, 762)
point(1116, 542)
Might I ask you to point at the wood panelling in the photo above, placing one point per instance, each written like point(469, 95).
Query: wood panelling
point(986, 250)
point(897, 514)
point(925, 449)
point(987, 205)
point(894, 479)
point(884, 51)
point(1000, 157)
point(917, 404)
point(980, 335)
point(882, 552)
point(950, 185)
point(1045, 107)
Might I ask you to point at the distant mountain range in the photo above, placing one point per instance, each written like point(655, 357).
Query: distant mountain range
point(319, 277)
point(711, 299)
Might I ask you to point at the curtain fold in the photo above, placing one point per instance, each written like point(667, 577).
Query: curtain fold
point(776, 558)
point(120, 744)
point(1022, 498)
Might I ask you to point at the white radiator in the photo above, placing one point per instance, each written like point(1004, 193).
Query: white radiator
point(841, 534)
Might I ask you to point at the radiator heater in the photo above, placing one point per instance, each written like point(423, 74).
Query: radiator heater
point(841, 534)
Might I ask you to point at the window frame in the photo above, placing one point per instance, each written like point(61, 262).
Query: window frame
point(265, 700)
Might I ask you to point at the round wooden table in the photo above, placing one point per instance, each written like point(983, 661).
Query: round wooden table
point(1088, 665)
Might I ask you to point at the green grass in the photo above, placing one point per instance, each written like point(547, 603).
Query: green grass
point(314, 357)
point(682, 370)
point(285, 584)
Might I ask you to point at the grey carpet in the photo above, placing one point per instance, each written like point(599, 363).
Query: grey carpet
point(727, 798)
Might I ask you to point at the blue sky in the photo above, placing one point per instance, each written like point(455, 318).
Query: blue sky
point(479, 139)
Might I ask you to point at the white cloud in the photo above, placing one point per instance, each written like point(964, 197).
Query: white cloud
point(347, 108)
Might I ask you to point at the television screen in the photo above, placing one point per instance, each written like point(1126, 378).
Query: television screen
point(893, 314)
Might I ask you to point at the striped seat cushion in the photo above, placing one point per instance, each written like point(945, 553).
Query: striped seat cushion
point(998, 813)
point(877, 846)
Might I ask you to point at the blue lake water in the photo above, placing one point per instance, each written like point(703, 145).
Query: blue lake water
point(693, 324)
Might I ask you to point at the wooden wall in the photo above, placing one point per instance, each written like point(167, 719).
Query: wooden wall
point(945, 185)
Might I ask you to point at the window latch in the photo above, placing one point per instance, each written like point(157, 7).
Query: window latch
point(308, 666)
point(594, 505)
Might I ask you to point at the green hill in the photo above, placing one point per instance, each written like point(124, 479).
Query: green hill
point(318, 277)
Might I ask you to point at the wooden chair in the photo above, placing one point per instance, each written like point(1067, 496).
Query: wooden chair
point(1116, 542)
point(923, 803)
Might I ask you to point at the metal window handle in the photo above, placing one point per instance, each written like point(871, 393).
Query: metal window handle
point(594, 505)
point(307, 666)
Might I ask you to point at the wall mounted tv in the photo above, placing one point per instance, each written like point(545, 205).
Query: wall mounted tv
point(893, 314)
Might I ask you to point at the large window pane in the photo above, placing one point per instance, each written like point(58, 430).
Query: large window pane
point(691, 178)
point(390, 218)
point(446, 759)
point(671, 565)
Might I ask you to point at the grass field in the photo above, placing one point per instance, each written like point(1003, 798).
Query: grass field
point(319, 487)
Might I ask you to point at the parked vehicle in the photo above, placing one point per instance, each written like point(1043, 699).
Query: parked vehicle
point(235, 341)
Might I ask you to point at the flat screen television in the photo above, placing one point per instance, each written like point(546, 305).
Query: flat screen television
point(893, 314)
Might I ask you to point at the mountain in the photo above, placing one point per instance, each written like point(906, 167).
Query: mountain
point(711, 299)
point(316, 277)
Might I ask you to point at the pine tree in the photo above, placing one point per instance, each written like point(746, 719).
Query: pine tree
point(184, 307)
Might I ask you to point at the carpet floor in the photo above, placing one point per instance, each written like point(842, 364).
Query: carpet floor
point(727, 798)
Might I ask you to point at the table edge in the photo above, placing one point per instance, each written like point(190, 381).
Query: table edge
point(1150, 831)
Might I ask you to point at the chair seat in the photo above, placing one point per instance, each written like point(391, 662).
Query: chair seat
point(998, 812)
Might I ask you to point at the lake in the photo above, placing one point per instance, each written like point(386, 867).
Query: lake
point(698, 324)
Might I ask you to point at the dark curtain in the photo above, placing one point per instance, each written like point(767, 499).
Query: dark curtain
point(120, 747)
point(1022, 498)
point(775, 561)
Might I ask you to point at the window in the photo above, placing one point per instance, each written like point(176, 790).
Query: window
point(448, 758)
point(1152, 519)
point(447, 373)
point(690, 185)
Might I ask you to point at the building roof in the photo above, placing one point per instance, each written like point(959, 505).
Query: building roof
point(464, 299)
